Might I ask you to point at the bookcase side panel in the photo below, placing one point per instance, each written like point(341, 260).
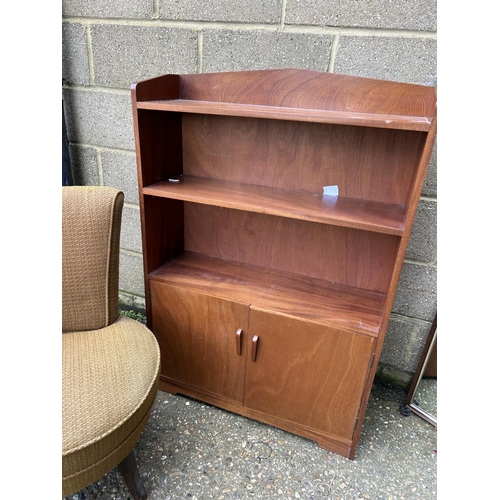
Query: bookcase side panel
point(164, 231)
point(160, 135)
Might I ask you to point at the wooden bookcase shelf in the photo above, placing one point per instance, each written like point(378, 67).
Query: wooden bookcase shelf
point(283, 293)
point(341, 211)
point(268, 297)
point(295, 114)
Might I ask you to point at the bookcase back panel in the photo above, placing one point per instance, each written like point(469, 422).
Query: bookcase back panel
point(350, 257)
point(365, 163)
point(297, 88)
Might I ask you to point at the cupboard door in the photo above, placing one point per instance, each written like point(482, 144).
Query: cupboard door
point(306, 373)
point(201, 339)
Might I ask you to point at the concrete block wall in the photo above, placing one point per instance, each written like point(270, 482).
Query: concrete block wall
point(109, 45)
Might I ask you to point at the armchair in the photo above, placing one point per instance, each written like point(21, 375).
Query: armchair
point(110, 364)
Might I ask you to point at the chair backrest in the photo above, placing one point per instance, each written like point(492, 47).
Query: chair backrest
point(91, 223)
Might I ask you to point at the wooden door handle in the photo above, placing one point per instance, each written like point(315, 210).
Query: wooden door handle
point(255, 341)
point(238, 341)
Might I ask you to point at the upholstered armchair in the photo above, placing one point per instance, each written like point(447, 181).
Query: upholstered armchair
point(110, 363)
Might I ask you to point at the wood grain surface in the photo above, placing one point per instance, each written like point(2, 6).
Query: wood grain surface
point(267, 297)
point(341, 211)
point(285, 294)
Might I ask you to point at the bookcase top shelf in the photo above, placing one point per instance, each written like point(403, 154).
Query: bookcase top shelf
point(292, 94)
point(419, 123)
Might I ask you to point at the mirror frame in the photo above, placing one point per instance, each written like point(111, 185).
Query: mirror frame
point(409, 404)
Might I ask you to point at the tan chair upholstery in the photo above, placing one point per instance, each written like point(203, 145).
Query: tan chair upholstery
point(110, 364)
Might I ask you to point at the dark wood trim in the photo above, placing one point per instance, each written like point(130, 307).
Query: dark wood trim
point(130, 473)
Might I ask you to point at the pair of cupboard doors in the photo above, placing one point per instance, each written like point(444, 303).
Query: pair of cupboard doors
point(261, 364)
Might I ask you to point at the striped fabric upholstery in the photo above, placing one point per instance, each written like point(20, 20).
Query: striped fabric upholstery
point(90, 254)
point(110, 364)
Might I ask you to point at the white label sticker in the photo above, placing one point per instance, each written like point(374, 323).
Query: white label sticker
point(331, 190)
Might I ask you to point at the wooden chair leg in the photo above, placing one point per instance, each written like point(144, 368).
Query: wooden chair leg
point(128, 468)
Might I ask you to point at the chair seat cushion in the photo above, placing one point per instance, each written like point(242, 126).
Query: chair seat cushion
point(109, 382)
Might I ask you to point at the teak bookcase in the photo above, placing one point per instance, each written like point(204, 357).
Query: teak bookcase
point(269, 298)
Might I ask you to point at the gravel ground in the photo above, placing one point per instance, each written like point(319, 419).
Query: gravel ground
point(191, 450)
